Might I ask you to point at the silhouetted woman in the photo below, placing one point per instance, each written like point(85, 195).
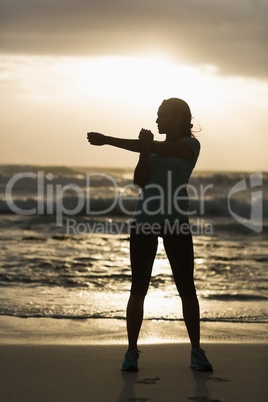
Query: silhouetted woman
point(162, 172)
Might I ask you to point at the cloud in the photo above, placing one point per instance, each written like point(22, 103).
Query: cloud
point(231, 35)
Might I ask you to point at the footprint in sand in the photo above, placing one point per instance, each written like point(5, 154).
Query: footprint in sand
point(218, 379)
point(138, 399)
point(148, 380)
point(202, 399)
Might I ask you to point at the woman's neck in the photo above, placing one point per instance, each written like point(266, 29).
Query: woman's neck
point(173, 136)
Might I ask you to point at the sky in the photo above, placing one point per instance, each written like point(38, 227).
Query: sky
point(72, 66)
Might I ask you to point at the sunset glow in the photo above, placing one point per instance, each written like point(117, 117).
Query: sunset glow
point(62, 75)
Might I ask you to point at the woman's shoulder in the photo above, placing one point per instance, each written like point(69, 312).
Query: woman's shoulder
point(194, 144)
point(190, 140)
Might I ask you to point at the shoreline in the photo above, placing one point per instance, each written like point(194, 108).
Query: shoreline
point(34, 331)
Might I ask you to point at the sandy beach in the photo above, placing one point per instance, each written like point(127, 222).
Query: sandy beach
point(71, 373)
point(64, 361)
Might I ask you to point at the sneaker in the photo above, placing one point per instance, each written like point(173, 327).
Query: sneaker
point(130, 362)
point(199, 360)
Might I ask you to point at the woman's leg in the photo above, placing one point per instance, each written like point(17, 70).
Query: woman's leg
point(143, 249)
point(179, 249)
point(191, 315)
point(134, 319)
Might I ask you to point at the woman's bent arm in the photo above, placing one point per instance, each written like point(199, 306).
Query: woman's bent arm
point(142, 168)
point(178, 148)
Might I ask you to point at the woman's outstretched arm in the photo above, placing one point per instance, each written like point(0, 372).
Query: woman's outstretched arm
point(175, 148)
point(101, 139)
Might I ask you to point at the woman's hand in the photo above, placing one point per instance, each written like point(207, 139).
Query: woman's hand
point(146, 136)
point(96, 138)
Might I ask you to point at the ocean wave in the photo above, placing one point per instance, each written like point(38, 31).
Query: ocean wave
point(67, 280)
point(109, 192)
point(124, 207)
point(230, 319)
point(235, 297)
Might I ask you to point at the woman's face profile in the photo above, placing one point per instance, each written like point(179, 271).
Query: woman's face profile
point(166, 120)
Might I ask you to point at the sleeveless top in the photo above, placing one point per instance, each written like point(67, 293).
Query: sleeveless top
point(164, 196)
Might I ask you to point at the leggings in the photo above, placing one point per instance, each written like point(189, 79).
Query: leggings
point(179, 250)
